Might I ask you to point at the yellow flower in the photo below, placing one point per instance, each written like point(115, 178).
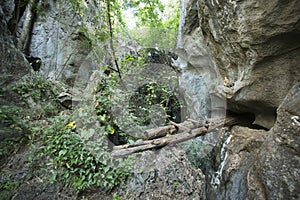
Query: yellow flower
point(71, 125)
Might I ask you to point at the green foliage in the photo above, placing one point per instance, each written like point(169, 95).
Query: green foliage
point(117, 197)
point(78, 158)
point(147, 11)
point(9, 116)
point(149, 95)
point(35, 89)
point(128, 110)
point(157, 23)
point(103, 94)
point(197, 153)
point(7, 187)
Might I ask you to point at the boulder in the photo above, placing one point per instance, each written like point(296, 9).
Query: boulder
point(227, 165)
point(13, 65)
point(164, 174)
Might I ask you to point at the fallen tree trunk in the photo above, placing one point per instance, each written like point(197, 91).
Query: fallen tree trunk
point(159, 132)
point(199, 128)
point(157, 143)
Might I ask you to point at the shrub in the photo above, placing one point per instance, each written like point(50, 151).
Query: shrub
point(79, 156)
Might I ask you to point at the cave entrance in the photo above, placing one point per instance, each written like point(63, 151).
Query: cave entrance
point(245, 119)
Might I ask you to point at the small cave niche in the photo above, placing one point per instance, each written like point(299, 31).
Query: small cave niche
point(35, 62)
point(153, 94)
point(245, 119)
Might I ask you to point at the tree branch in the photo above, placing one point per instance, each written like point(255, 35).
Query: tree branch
point(111, 39)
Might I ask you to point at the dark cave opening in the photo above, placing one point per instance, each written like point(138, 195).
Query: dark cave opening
point(245, 119)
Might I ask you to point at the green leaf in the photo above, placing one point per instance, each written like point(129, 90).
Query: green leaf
point(62, 152)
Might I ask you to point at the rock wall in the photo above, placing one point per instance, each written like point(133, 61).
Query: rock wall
point(275, 173)
point(59, 40)
point(13, 65)
point(254, 44)
point(247, 53)
point(265, 165)
point(54, 35)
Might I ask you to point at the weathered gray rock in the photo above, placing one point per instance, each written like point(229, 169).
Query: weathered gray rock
point(253, 43)
point(242, 153)
point(56, 39)
point(194, 91)
point(6, 15)
point(164, 174)
point(197, 81)
point(227, 165)
point(13, 64)
point(276, 173)
point(260, 164)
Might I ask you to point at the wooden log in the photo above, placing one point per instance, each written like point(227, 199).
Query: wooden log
point(156, 143)
point(126, 146)
point(159, 132)
point(216, 123)
point(184, 126)
point(189, 133)
point(199, 123)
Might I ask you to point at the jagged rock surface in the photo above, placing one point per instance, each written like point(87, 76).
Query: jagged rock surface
point(164, 174)
point(242, 153)
point(276, 171)
point(58, 40)
point(262, 164)
point(253, 43)
point(13, 64)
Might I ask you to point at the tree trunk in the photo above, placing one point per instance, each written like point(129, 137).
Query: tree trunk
point(111, 39)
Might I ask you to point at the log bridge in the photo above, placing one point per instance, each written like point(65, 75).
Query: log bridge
point(172, 134)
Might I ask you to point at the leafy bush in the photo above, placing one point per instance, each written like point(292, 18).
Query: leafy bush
point(80, 156)
point(35, 86)
point(38, 93)
point(154, 94)
point(10, 117)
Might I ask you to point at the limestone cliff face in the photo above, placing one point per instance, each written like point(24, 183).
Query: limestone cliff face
point(52, 33)
point(255, 44)
point(12, 62)
point(58, 38)
point(265, 165)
